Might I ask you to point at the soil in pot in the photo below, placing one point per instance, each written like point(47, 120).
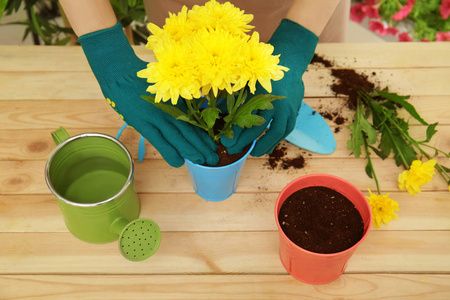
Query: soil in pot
point(225, 158)
point(321, 220)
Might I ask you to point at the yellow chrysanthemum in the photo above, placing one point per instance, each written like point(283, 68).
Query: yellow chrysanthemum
point(174, 74)
point(176, 27)
point(226, 16)
point(216, 57)
point(417, 175)
point(258, 64)
point(383, 209)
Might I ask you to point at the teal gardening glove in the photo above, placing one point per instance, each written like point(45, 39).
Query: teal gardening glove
point(296, 44)
point(115, 65)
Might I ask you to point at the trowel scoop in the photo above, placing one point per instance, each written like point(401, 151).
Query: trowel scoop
point(312, 132)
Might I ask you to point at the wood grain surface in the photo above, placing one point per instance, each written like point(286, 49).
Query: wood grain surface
point(224, 250)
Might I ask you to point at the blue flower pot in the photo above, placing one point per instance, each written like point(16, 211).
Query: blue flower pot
point(216, 183)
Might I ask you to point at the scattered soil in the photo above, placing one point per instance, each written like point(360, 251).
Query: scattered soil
point(277, 160)
point(344, 83)
point(321, 220)
point(346, 80)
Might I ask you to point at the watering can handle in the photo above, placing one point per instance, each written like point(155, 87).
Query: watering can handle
point(60, 135)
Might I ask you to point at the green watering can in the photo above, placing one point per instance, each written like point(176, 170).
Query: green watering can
point(92, 177)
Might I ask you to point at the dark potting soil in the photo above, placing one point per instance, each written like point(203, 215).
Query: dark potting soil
point(346, 81)
point(277, 160)
point(225, 158)
point(321, 220)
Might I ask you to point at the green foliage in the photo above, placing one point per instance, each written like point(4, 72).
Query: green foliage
point(43, 14)
point(239, 112)
point(377, 115)
point(425, 19)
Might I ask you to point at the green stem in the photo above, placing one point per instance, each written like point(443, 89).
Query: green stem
point(37, 27)
point(416, 144)
point(369, 163)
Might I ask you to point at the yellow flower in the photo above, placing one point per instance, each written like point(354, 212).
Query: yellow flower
point(226, 16)
point(176, 27)
point(174, 74)
point(417, 175)
point(216, 57)
point(382, 209)
point(258, 64)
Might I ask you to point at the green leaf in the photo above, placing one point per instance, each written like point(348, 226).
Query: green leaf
point(400, 100)
point(167, 108)
point(230, 103)
point(404, 153)
point(361, 129)
point(229, 133)
point(3, 4)
point(369, 170)
point(431, 130)
point(185, 118)
point(381, 154)
point(62, 42)
point(210, 115)
point(249, 120)
point(244, 117)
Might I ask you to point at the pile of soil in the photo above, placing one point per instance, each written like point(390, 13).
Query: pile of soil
point(277, 159)
point(346, 81)
point(321, 220)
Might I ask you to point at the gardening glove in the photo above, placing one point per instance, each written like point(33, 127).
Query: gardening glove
point(115, 65)
point(296, 46)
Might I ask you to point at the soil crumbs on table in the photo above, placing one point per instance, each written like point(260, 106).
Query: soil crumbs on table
point(344, 83)
point(321, 220)
point(277, 159)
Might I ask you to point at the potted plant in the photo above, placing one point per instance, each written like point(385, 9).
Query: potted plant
point(321, 220)
point(212, 67)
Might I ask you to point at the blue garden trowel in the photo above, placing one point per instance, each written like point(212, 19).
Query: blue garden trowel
point(312, 132)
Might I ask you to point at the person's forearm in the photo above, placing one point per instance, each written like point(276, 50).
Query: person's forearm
point(312, 14)
point(87, 16)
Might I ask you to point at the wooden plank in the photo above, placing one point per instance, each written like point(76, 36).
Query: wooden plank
point(96, 113)
point(408, 81)
point(83, 85)
point(188, 212)
point(155, 176)
point(37, 144)
point(243, 252)
point(285, 287)
point(385, 55)
point(354, 55)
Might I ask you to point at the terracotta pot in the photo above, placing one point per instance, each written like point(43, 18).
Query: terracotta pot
point(311, 267)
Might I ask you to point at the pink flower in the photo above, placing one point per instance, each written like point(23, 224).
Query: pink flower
point(443, 36)
point(371, 12)
point(356, 13)
point(391, 30)
point(425, 40)
point(404, 37)
point(404, 11)
point(444, 9)
point(377, 27)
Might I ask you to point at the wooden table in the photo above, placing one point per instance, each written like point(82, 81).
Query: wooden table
point(225, 250)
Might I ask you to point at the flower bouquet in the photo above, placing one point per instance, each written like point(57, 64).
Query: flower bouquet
point(409, 20)
point(208, 66)
point(203, 56)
